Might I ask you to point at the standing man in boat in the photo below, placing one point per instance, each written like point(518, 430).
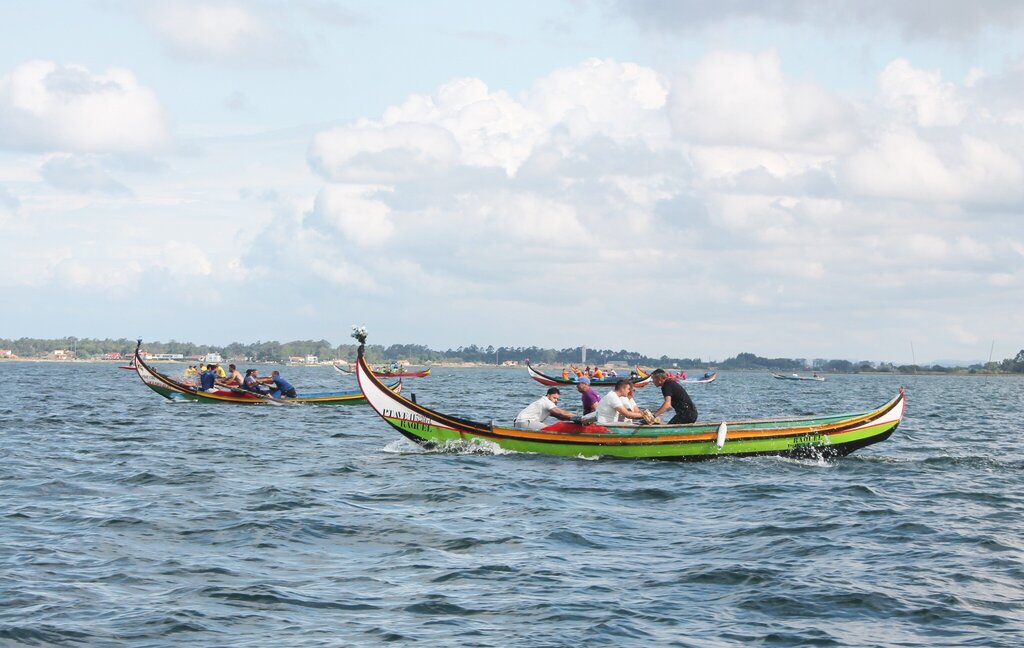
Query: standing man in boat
point(676, 399)
point(590, 396)
point(533, 415)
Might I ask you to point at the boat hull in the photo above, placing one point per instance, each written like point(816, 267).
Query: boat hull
point(825, 436)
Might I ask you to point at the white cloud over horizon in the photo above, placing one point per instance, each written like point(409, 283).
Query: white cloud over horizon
point(700, 206)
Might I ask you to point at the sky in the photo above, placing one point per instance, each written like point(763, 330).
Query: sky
point(826, 179)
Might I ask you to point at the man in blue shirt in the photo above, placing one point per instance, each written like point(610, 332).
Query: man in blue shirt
point(208, 378)
point(284, 388)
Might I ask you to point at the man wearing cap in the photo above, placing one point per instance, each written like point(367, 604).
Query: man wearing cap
point(590, 396)
point(533, 415)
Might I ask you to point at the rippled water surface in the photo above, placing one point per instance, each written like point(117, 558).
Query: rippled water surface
point(129, 520)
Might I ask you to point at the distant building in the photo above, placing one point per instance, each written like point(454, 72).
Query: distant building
point(212, 358)
point(167, 356)
point(112, 356)
point(7, 353)
point(510, 363)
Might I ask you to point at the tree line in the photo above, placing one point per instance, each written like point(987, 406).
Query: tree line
point(273, 351)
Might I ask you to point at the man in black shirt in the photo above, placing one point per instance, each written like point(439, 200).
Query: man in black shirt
point(676, 398)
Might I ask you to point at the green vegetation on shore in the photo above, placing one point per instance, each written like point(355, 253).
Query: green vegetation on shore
point(93, 349)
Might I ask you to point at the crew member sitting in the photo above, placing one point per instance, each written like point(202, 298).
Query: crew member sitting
point(614, 404)
point(589, 396)
point(252, 381)
point(208, 380)
point(533, 415)
point(234, 378)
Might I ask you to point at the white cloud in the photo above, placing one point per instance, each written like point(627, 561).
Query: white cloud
point(914, 19)
point(617, 100)
point(368, 152)
point(48, 106)
point(350, 210)
point(464, 123)
point(739, 99)
point(903, 165)
point(922, 96)
point(80, 174)
point(225, 32)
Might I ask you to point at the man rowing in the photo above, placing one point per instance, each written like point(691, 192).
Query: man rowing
point(676, 399)
point(533, 415)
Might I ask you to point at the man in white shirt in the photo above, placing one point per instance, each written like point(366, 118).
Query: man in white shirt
point(629, 400)
point(614, 404)
point(533, 415)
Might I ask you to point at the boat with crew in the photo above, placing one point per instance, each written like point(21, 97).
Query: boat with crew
point(681, 377)
point(799, 436)
point(607, 381)
point(177, 390)
point(815, 377)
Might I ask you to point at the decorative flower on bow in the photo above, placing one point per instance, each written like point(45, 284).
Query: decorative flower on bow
point(359, 333)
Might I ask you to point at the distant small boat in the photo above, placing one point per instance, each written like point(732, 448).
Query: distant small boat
point(129, 367)
point(544, 379)
point(703, 379)
point(176, 390)
point(815, 377)
point(388, 373)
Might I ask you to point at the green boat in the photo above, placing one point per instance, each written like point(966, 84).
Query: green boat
point(815, 436)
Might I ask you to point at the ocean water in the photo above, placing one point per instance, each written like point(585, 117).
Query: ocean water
point(128, 520)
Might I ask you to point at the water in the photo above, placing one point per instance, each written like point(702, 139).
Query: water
point(130, 520)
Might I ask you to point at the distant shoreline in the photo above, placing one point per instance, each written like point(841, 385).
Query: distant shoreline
point(479, 365)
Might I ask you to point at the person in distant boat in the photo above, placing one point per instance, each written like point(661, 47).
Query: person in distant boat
point(282, 388)
point(615, 404)
point(676, 399)
point(707, 374)
point(565, 374)
point(682, 374)
point(221, 374)
point(590, 396)
point(208, 379)
point(532, 416)
point(234, 378)
point(598, 373)
point(191, 371)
